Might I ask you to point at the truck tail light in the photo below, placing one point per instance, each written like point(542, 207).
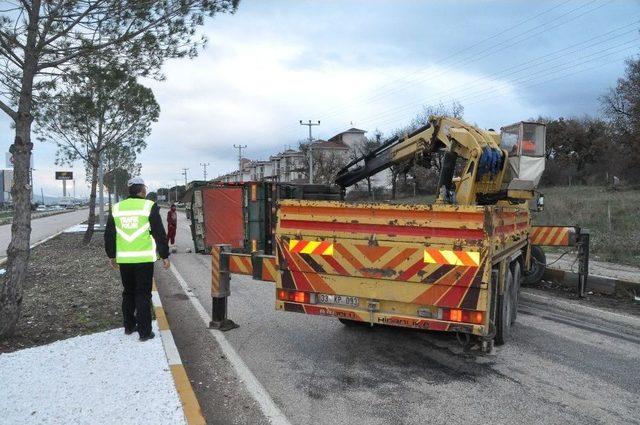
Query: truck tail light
point(464, 316)
point(296, 296)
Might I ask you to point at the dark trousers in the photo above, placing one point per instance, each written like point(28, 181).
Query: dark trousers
point(171, 234)
point(137, 280)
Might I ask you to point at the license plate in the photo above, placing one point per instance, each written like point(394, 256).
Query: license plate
point(338, 299)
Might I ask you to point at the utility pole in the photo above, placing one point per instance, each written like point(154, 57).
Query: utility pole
point(310, 124)
point(204, 169)
point(176, 182)
point(240, 147)
point(184, 173)
point(42, 194)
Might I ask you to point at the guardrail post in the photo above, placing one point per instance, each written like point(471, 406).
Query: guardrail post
point(583, 261)
point(220, 288)
point(256, 264)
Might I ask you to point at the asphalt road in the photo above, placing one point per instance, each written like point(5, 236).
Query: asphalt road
point(42, 228)
point(566, 363)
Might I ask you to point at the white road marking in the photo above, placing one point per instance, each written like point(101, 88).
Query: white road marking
point(255, 388)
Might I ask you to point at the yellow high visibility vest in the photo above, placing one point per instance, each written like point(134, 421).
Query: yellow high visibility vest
point(134, 243)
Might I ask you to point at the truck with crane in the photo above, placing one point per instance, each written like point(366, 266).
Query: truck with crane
point(454, 265)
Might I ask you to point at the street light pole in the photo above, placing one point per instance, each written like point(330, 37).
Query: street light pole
point(204, 169)
point(184, 173)
point(240, 147)
point(310, 124)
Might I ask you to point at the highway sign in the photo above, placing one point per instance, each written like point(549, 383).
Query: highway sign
point(64, 175)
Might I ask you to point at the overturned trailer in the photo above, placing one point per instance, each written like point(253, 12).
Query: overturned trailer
point(242, 215)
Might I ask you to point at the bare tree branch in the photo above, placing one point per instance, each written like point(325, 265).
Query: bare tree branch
point(7, 110)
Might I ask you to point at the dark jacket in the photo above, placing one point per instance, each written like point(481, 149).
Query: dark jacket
point(157, 231)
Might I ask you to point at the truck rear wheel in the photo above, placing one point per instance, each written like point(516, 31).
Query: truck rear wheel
point(504, 305)
point(538, 266)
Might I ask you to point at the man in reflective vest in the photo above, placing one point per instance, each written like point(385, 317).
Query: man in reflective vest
point(134, 238)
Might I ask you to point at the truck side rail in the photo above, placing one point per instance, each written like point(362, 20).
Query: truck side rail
point(569, 236)
point(223, 263)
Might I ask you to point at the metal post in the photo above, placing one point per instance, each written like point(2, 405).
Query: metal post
point(240, 147)
point(310, 124)
point(64, 188)
point(204, 169)
point(220, 288)
point(184, 173)
point(583, 262)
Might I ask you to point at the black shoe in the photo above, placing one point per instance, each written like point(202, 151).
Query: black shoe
point(130, 331)
point(148, 337)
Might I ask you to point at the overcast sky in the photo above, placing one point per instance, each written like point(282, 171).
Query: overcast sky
point(371, 64)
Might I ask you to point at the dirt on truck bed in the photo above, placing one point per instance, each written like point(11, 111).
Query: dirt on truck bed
point(70, 290)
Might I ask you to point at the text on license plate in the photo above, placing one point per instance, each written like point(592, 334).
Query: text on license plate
point(338, 299)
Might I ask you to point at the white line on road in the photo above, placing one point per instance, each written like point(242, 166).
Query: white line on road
point(255, 388)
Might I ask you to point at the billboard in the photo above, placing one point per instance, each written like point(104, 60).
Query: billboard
point(64, 175)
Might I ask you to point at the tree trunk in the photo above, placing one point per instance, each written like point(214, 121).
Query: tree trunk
point(394, 184)
point(18, 250)
point(88, 234)
point(369, 187)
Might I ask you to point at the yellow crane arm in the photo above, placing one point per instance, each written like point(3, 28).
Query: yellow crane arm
point(483, 172)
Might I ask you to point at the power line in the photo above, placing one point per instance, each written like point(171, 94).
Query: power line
point(516, 69)
point(458, 52)
point(477, 55)
point(491, 91)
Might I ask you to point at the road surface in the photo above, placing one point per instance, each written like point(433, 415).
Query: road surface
point(566, 363)
point(42, 228)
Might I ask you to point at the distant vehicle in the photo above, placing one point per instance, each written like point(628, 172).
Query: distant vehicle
point(70, 207)
point(41, 208)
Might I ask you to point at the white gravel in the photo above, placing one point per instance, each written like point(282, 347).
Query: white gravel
point(104, 378)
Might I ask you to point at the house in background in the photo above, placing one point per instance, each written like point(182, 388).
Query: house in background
point(351, 138)
point(290, 166)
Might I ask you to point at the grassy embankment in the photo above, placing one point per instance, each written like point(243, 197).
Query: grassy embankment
point(613, 218)
point(616, 240)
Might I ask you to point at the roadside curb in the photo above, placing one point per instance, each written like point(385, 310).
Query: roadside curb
point(596, 283)
point(190, 404)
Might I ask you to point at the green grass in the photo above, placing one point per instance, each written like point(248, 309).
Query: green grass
point(616, 239)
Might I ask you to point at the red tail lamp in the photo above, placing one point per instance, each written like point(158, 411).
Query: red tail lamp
point(294, 296)
point(465, 316)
